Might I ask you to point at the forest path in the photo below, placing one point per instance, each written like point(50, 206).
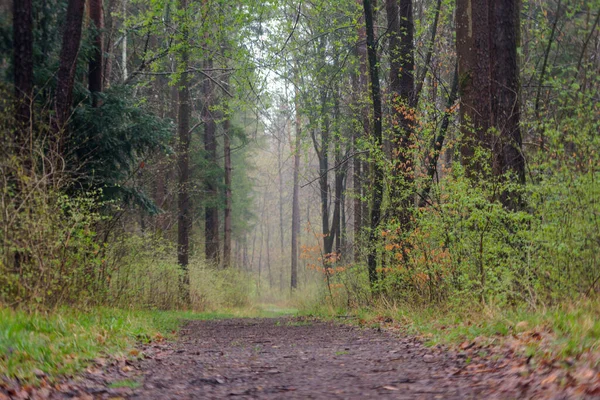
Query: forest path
point(285, 358)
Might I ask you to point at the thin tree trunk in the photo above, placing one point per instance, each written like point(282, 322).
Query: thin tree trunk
point(184, 220)
point(430, 47)
point(68, 65)
point(227, 216)
point(377, 138)
point(23, 68)
point(296, 196)
point(211, 214)
point(268, 249)
point(280, 182)
point(438, 142)
point(124, 46)
point(358, 170)
point(96, 62)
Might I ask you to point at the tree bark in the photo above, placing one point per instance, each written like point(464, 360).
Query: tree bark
point(184, 221)
point(505, 26)
point(68, 65)
point(402, 87)
point(487, 36)
point(296, 196)
point(23, 68)
point(377, 139)
point(211, 213)
point(96, 68)
point(227, 216)
point(473, 53)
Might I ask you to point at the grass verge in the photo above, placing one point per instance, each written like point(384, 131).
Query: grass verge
point(564, 332)
point(36, 346)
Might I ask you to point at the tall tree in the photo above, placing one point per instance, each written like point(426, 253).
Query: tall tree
point(504, 30)
point(96, 68)
point(296, 194)
point(487, 35)
point(227, 214)
point(402, 87)
point(68, 62)
point(23, 64)
point(377, 138)
point(184, 220)
point(211, 211)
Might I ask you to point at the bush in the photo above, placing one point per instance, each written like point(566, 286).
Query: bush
point(49, 254)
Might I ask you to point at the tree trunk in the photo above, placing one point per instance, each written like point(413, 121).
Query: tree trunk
point(68, 65)
point(473, 53)
point(95, 79)
point(227, 216)
point(23, 68)
point(296, 197)
point(359, 172)
point(280, 148)
point(487, 36)
point(505, 25)
point(211, 213)
point(377, 139)
point(400, 29)
point(184, 220)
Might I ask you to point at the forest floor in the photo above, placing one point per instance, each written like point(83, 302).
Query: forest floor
point(292, 357)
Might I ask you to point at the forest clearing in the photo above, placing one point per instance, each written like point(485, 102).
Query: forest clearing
point(299, 199)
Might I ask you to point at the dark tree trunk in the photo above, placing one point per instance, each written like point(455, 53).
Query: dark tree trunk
point(359, 173)
point(377, 138)
point(23, 67)
point(296, 198)
point(402, 82)
point(184, 221)
point(473, 53)
point(487, 36)
point(68, 64)
point(508, 157)
point(227, 216)
point(96, 62)
point(430, 46)
point(211, 213)
point(438, 141)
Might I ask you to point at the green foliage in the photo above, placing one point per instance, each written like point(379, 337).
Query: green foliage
point(144, 274)
point(109, 144)
point(49, 254)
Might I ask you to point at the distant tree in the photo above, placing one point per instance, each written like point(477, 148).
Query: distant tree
point(95, 78)
point(23, 65)
point(184, 220)
point(68, 63)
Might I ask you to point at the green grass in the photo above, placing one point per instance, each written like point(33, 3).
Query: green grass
point(125, 383)
point(568, 330)
point(64, 342)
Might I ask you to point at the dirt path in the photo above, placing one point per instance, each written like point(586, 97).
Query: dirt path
point(290, 358)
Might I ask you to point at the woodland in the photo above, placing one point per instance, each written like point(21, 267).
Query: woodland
point(413, 159)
